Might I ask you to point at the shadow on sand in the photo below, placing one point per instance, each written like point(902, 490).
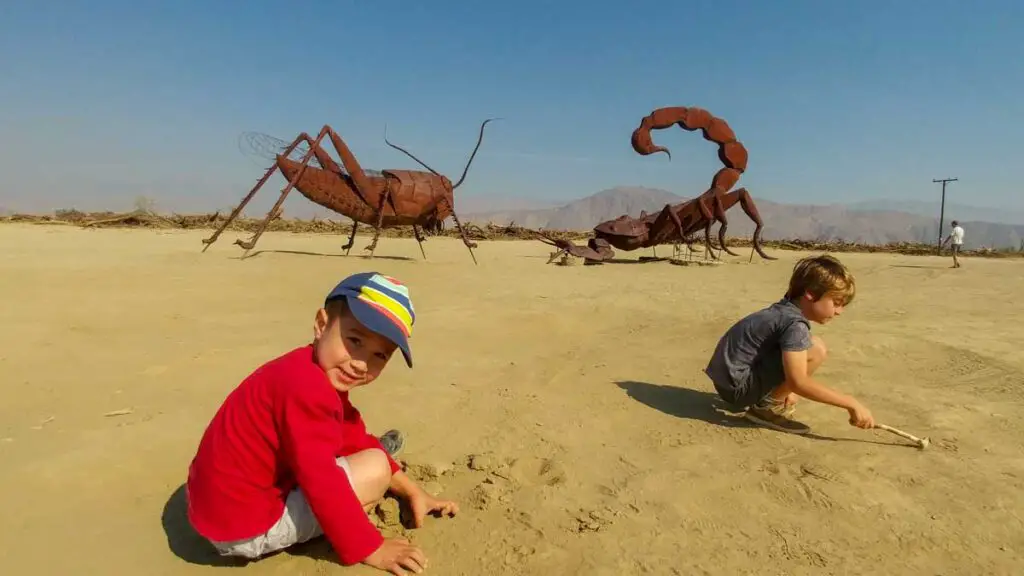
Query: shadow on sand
point(918, 266)
point(186, 544)
point(707, 407)
point(183, 541)
point(640, 260)
point(324, 254)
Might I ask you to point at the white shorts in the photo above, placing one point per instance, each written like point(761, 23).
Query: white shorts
point(297, 524)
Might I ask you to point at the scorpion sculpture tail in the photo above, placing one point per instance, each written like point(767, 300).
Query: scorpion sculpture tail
point(730, 151)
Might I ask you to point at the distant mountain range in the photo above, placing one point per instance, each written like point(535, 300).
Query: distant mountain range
point(870, 222)
point(962, 212)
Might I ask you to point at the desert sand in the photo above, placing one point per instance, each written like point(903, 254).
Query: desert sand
point(564, 408)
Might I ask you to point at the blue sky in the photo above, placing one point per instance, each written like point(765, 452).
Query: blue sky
point(106, 100)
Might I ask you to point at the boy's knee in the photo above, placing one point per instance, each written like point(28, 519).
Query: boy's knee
point(370, 473)
point(380, 465)
point(818, 348)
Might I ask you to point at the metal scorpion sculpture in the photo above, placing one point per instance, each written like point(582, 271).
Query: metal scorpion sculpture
point(677, 223)
point(384, 198)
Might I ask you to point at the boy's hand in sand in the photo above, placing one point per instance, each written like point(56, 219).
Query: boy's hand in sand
point(423, 503)
point(396, 555)
point(861, 417)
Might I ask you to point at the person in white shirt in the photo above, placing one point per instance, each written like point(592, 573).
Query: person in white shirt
point(956, 235)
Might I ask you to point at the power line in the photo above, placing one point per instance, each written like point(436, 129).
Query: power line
point(942, 210)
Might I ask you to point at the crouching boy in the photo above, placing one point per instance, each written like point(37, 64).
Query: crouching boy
point(287, 457)
point(767, 359)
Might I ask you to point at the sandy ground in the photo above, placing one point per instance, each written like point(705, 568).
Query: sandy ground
point(563, 407)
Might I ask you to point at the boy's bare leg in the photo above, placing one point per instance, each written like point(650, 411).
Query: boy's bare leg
point(815, 358)
point(775, 410)
point(370, 474)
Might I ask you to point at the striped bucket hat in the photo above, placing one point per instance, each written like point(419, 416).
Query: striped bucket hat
point(380, 303)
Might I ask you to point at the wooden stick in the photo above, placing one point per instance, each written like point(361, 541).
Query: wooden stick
point(921, 442)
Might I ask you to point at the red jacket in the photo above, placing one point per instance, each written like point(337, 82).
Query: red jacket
point(282, 427)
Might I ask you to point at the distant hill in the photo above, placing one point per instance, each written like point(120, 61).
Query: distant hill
point(582, 214)
point(960, 212)
point(856, 223)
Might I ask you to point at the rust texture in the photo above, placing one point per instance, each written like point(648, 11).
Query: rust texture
point(677, 223)
point(381, 199)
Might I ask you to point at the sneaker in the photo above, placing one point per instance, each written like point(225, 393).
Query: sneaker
point(776, 419)
point(393, 442)
point(777, 406)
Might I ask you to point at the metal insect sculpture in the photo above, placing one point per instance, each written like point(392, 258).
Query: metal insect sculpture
point(677, 223)
point(384, 198)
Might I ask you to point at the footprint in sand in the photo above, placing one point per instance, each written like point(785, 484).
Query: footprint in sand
point(594, 520)
point(800, 482)
point(820, 471)
point(496, 480)
point(497, 485)
point(505, 476)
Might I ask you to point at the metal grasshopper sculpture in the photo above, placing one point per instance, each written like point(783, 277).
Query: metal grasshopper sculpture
point(382, 199)
point(677, 223)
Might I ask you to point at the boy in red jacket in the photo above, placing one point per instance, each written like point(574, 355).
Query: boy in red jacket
point(288, 458)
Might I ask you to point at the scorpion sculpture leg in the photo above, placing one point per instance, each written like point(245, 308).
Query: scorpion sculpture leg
point(742, 196)
point(709, 218)
point(671, 215)
point(698, 212)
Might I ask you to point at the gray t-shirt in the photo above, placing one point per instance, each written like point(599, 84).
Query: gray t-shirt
point(759, 338)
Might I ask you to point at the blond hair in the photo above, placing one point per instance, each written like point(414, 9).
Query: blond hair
point(821, 275)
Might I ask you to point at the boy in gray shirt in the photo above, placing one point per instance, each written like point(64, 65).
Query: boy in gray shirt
point(766, 360)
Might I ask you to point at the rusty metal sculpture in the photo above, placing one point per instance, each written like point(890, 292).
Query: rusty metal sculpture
point(677, 223)
point(384, 198)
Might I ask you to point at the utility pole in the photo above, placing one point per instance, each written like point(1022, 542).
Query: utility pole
point(942, 211)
